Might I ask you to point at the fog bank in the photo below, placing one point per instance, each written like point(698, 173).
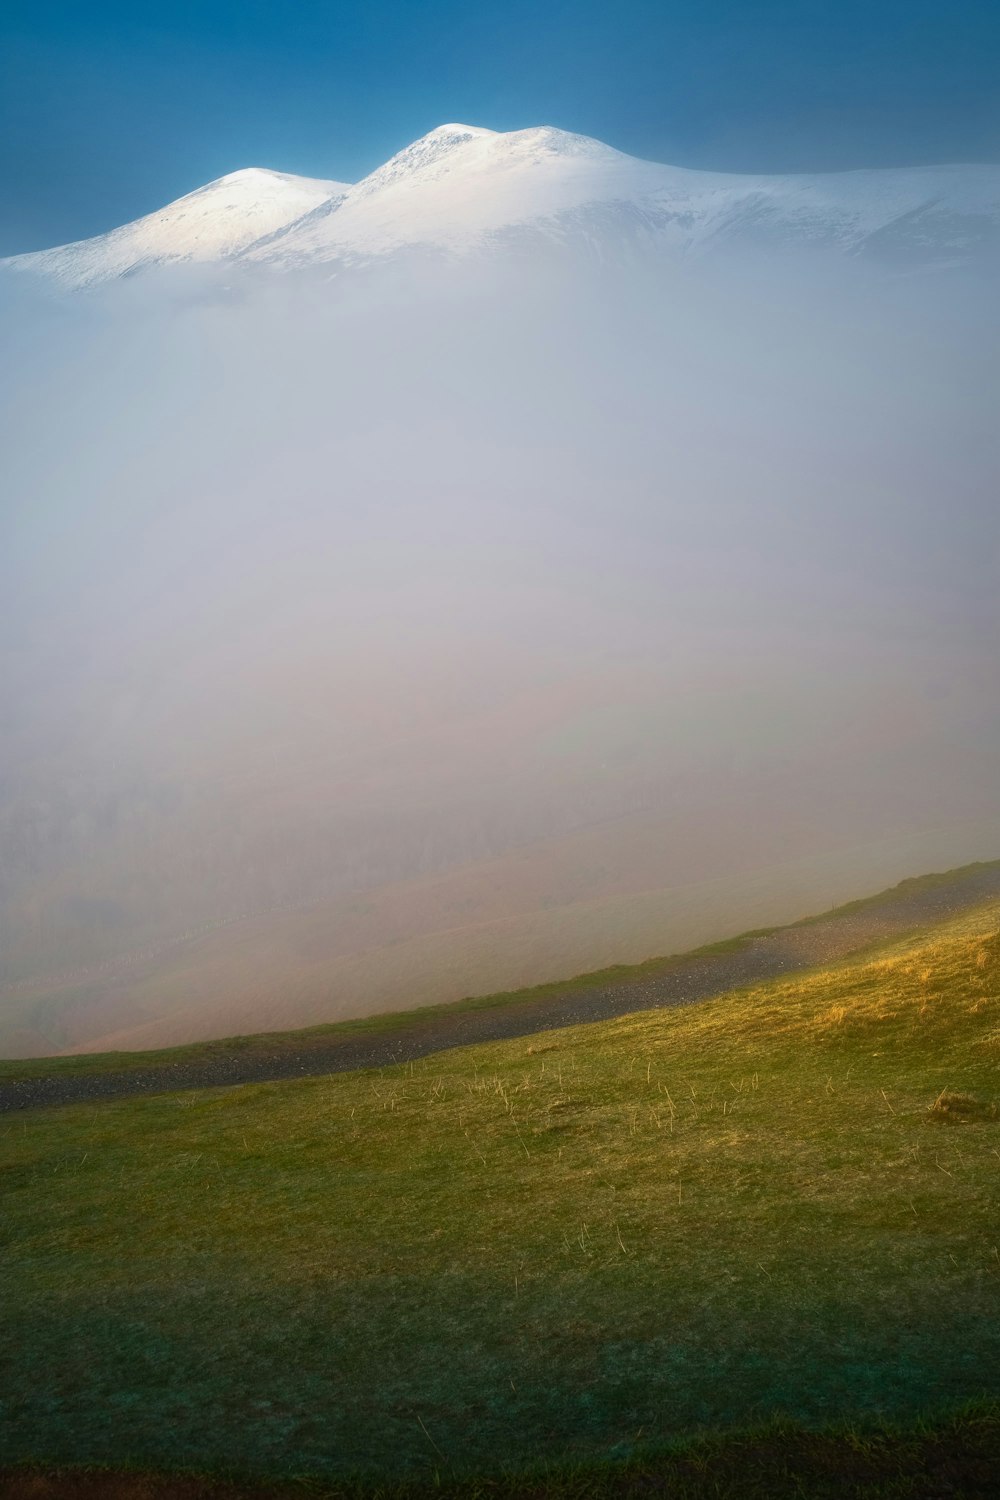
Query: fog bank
point(314, 589)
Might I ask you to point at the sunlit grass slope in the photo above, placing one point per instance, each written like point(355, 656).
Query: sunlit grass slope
point(559, 1248)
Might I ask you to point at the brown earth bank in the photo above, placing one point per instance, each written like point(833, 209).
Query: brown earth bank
point(679, 980)
point(958, 1457)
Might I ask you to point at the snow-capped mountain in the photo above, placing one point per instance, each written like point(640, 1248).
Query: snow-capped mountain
point(461, 190)
point(461, 187)
point(213, 223)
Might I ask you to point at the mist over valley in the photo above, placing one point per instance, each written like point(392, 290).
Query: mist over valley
point(484, 577)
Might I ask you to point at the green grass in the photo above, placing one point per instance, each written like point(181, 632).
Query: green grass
point(571, 1248)
point(419, 1019)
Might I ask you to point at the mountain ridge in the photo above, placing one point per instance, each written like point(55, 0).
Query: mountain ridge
point(462, 189)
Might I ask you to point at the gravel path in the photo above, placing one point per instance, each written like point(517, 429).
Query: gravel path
point(784, 951)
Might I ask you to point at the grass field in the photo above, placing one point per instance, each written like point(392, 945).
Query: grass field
point(565, 1249)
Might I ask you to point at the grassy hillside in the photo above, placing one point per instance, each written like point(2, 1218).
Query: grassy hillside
point(965, 887)
point(605, 895)
point(567, 1248)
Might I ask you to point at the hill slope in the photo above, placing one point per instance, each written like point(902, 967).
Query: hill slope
point(611, 894)
point(572, 1247)
point(376, 1041)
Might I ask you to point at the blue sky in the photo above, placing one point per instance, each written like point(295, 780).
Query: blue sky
point(110, 109)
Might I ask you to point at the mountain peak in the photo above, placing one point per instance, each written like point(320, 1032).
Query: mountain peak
point(471, 152)
point(257, 176)
point(548, 138)
point(207, 225)
point(454, 131)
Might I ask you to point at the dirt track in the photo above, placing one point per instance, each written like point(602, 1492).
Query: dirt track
point(679, 982)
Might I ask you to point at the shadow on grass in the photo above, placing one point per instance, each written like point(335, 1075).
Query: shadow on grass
point(954, 1455)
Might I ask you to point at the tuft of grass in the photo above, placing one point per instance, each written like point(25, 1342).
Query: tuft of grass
point(950, 1108)
point(654, 1228)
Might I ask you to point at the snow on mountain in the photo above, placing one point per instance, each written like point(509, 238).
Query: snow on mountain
point(210, 224)
point(462, 189)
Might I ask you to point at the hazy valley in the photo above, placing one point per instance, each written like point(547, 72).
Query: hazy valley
point(420, 598)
